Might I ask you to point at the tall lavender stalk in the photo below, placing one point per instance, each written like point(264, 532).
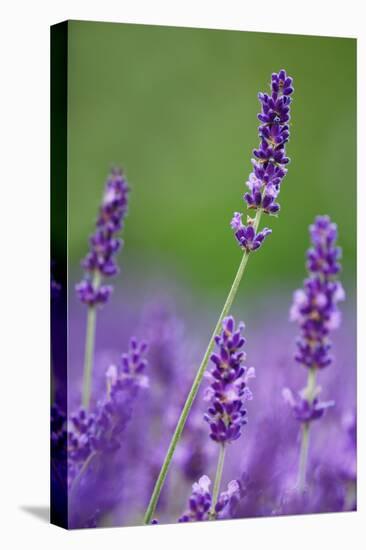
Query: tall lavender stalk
point(269, 168)
point(227, 394)
point(315, 310)
point(100, 263)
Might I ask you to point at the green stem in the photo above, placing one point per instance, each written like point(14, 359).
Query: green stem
point(305, 436)
point(89, 346)
point(217, 483)
point(195, 386)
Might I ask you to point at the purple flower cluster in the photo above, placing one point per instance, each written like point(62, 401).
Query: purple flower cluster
point(303, 409)
point(270, 157)
point(269, 162)
point(104, 245)
point(246, 235)
point(228, 390)
point(315, 309)
point(100, 431)
point(199, 504)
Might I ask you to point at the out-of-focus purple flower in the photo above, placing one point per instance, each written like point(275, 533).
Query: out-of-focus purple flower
point(246, 235)
point(200, 501)
point(349, 465)
point(165, 333)
point(227, 500)
point(104, 244)
point(228, 388)
point(194, 454)
point(100, 431)
point(270, 157)
point(303, 409)
point(90, 295)
point(315, 307)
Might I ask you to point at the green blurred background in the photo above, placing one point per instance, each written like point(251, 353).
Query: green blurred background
point(177, 109)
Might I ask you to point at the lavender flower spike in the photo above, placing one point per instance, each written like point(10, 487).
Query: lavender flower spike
point(270, 157)
point(100, 431)
point(227, 394)
point(104, 245)
point(269, 162)
point(199, 504)
point(315, 309)
point(228, 390)
point(100, 262)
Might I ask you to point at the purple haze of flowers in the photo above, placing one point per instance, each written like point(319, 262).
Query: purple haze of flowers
point(200, 501)
point(315, 309)
point(104, 245)
point(228, 390)
point(100, 431)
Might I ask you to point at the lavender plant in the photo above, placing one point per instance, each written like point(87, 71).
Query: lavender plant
point(269, 168)
point(100, 263)
point(315, 309)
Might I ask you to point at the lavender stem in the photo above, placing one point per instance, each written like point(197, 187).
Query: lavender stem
point(89, 345)
point(196, 384)
point(305, 436)
point(217, 483)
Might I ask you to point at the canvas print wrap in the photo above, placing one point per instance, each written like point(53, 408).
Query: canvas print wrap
point(203, 277)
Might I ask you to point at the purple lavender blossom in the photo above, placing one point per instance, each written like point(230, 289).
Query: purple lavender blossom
point(100, 431)
point(200, 501)
point(315, 309)
point(270, 157)
point(315, 306)
point(228, 390)
point(303, 409)
point(104, 245)
point(269, 162)
point(246, 235)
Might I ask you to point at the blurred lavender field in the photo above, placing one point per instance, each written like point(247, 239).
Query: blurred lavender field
point(264, 460)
